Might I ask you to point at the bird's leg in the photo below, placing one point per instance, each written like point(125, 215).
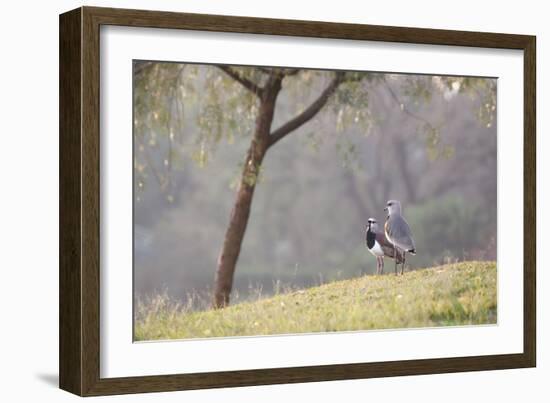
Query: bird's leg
point(395, 258)
point(403, 264)
point(382, 265)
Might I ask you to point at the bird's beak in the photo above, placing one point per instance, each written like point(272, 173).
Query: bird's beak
point(385, 209)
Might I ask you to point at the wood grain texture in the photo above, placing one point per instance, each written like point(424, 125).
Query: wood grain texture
point(90, 201)
point(530, 202)
point(304, 374)
point(315, 29)
point(80, 200)
point(70, 274)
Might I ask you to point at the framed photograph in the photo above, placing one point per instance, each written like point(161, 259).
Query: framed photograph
point(249, 201)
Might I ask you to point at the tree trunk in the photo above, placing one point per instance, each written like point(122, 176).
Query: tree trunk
point(238, 220)
point(357, 199)
point(401, 157)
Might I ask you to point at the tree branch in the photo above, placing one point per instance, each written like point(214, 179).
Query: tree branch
point(265, 70)
point(403, 107)
point(308, 113)
point(291, 72)
point(245, 82)
point(139, 67)
point(283, 72)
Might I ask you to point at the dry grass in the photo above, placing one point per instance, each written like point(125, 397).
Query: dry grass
point(449, 295)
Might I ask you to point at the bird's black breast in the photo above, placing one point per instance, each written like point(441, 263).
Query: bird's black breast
point(371, 239)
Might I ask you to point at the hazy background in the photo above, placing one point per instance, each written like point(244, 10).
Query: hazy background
point(433, 148)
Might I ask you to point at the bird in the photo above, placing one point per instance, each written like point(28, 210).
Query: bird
point(398, 232)
point(379, 246)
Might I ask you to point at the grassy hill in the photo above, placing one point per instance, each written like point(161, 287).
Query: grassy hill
point(454, 294)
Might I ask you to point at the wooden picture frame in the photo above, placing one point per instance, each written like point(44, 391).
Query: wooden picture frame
point(79, 346)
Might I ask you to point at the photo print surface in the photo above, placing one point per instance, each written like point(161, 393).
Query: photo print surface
point(281, 200)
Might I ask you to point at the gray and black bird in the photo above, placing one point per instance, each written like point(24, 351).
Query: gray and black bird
point(379, 246)
point(398, 232)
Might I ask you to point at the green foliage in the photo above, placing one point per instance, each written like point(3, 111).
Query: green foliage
point(483, 91)
point(350, 103)
point(349, 154)
point(196, 108)
point(165, 92)
point(450, 295)
point(226, 110)
point(417, 89)
point(445, 222)
point(200, 156)
point(435, 148)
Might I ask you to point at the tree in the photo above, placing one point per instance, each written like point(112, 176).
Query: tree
point(262, 140)
point(249, 95)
